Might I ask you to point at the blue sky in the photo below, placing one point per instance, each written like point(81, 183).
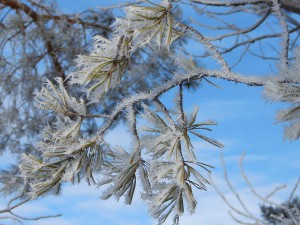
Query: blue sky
point(245, 124)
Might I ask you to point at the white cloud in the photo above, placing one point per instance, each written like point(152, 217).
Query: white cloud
point(58, 221)
point(33, 209)
point(80, 205)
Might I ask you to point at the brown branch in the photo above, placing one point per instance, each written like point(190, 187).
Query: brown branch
point(17, 5)
point(77, 21)
point(54, 59)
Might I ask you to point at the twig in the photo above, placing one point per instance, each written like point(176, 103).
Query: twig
point(285, 36)
point(100, 116)
point(294, 190)
point(17, 217)
point(251, 186)
point(243, 31)
point(231, 187)
point(209, 46)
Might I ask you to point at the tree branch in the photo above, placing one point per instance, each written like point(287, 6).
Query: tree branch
point(243, 31)
point(289, 5)
point(17, 5)
point(209, 46)
point(175, 81)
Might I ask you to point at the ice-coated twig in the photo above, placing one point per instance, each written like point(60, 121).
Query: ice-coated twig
point(10, 215)
point(231, 187)
point(294, 190)
point(285, 35)
point(208, 45)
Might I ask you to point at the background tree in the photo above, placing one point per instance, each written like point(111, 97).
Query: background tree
point(244, 38)
point(267, 211)
point(37, 41)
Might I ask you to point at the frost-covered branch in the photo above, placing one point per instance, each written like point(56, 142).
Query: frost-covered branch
point(209, 46)
point(289, 5)
point(161, 156)
point(8, 214)
point(286, 37)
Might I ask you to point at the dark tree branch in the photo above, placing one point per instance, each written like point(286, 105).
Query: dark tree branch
point(16, 5)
